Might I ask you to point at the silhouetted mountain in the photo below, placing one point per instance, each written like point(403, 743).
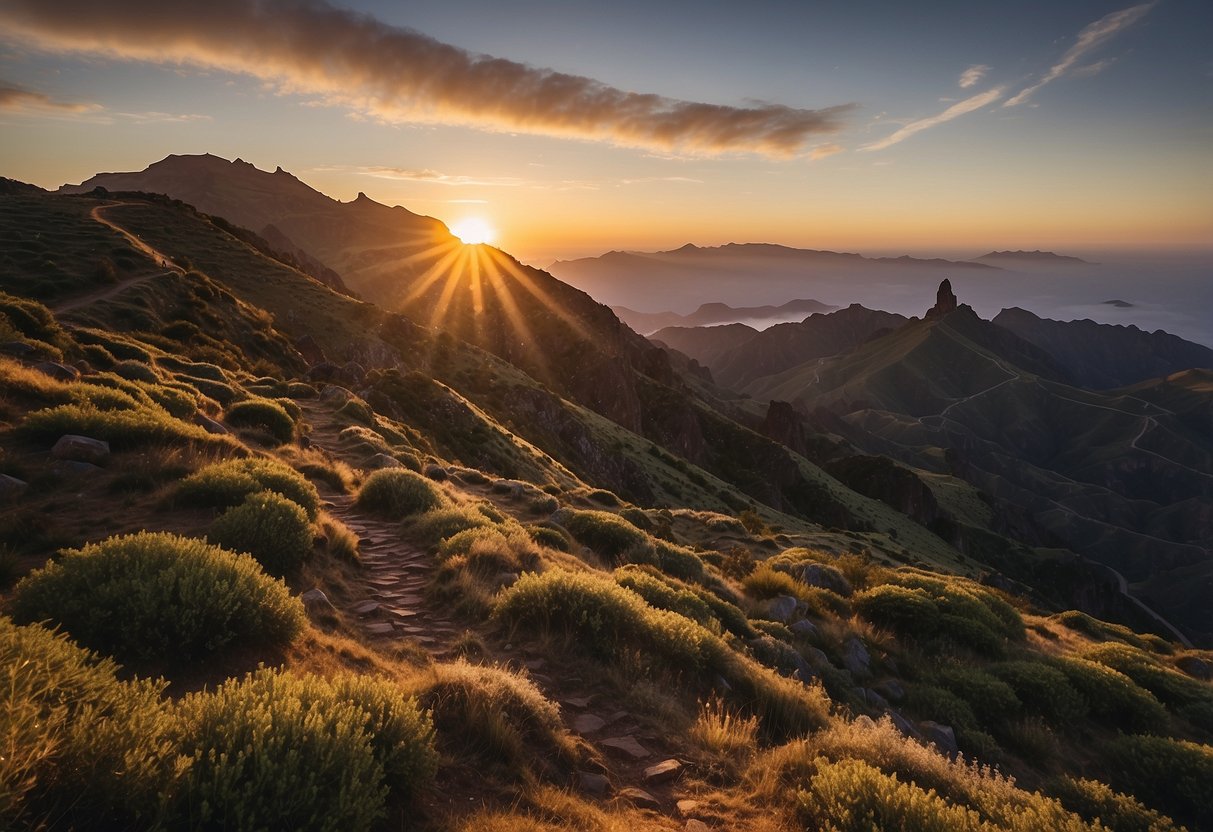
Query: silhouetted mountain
point(1019, 259)
point(12, 186)
point(709, 314)
point(1102, 356)
point(737, 273)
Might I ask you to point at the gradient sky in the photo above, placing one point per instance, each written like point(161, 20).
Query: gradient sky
point(880, 127)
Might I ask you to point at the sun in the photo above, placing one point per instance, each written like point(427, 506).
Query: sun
point(473, 231)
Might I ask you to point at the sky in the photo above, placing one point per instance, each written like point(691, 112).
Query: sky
point(574, 127)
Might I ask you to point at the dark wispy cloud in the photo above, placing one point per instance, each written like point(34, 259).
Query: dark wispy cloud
point(1091, 37)
point(14, 98)
point(957, 110)
point(312, 47)
point(972, 76)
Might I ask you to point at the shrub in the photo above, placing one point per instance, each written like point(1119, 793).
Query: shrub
point(1113, 696)
point(609, 536)
point(1173, 688)
point(990, 698)
point(905, 611)
point(220, 391)
point(77, 744)
point(1172, 775)
point(226, 484)
point(723, 738)
point(942, 706)
point(395, 492)
point(159, 596)
point(293, 410)
point(440, 523)
point(852, 796)
point(121, 428)
point(766, 582)
point(132, 370)
point(550, 537)
point(494, 716)
point(275, 750)
point(663, 593)
point(1043, 690)
point(269, 527)
point(1118, 812)
point(265, 414)
point(178, 404)
point(679, 561)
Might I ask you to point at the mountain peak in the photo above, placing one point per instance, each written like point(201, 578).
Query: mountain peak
point(945, 300)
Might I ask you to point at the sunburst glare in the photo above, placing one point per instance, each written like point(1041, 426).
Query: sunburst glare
point(473, 231)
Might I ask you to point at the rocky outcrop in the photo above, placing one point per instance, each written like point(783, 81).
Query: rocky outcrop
point(945, 301)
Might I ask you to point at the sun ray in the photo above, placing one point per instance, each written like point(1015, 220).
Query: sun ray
point(508, 305)
point(527, 283)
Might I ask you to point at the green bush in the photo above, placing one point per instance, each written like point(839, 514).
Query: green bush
point(356, 410)
point(132, 370)
point(438, 524)
point(905, 611)
point(121, 428)
point(765, 582)
point(1171, 775)
point(395, 492)
point(198, 369)
point(1173, 689)
point(264, 414)
point(1117, 812)
point(941, 706)
point(77, 744)
point(178, 404)
point(991, 699)
point(159, 596)
point(280, 751)
point(1114, 697)
point(226, 484)
point(852, 796)
point(220, 391)
point(679, 561)
point(550, 537)
point(269, 527)
point(1042, 690)
point(609, 536)
point(664, 593)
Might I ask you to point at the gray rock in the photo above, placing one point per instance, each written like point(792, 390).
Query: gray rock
point(588, 723)
point(56, 370)
point(873, 699)
point(641, 798)
point(353, 373)
point(436, 472)
point(324, 371)
point(334, 393)
point(18, 349)
point(781, 608)
point(904, 726)
point(817, 657)
point(865, 722)
point(209, 425)
point(74, 468)
point(591, 783)
point(384, 461)
point(804, 628)
point(941, 736)
point(626, 746)
point(310, 350)
point(11, 488)
point(825, 577)
point(662, 772)
point(314, 599)
point(721, 684)
point(504, 579)
point(855, 657)
point(81, 449)
point(892, 689)
point(1196, 667)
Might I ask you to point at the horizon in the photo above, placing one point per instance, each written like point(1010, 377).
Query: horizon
point(950, 131)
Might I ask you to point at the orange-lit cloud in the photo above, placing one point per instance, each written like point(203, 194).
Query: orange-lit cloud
point(972, 76)
point(396, 74)
point(976, 102)
point(20, 100)
point(1094, 35)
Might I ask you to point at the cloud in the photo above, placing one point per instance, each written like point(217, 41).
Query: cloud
point(973, 75)
point(1090, 70)
point(15, 99)
point(310, 47)
point(956, 110)
point(432, 177)
point(1093, 36)
point(154, 117)
point(824, 150)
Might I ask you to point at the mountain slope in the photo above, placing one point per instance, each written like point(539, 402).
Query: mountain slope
point(717, 313)
point(1103, 356)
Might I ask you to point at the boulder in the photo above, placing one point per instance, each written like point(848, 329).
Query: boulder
point(626, 746)
point(352, 373)
point(209, 425)
point(316, 601)
point(11, 488)
point(686, 806)
point(873, 699)
point(310, 350)
point(891, 689)
point(662, 772)
point(804, 628)
point(904, 726)
point(941, 736)
point(18, 349)
point(334, 393)
point(855, 657)
point(1196, 667)
point(56, 370)
point(641, 798)
point(696, 825)
point(324, 371)
point(435, 472)
point(384, 461)
point(826, 577)
point(74, 468)
point(81, 449)
point(592, 783)
point(781, 608)
point(588, 723)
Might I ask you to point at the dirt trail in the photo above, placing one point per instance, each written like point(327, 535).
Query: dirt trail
point(393, 605)
point(160, 258)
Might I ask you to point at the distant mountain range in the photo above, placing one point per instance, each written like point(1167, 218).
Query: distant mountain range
point(736, 273)
point(717, 313)
point(1030, 259)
